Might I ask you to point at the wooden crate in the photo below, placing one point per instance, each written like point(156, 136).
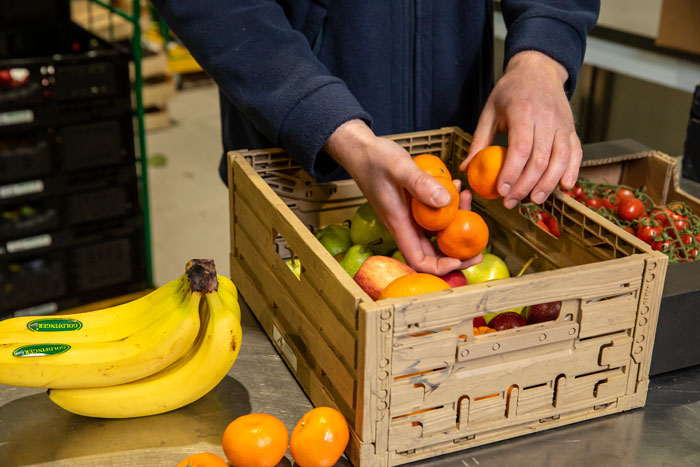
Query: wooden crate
point(408, 374)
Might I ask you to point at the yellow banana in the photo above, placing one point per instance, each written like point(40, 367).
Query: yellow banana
point(108, 324)
point(93, 364)
point(182, 383)
point(229, 295)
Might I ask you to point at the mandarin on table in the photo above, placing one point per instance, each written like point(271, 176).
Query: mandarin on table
point(320, 437)
point(203, 459)
point(413, 284)
point(255, 440)
point(465, 237)
point(437, 218)
point(483, 170)
point(432, 165)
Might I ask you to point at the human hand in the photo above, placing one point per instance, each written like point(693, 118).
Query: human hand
point(384, 172)
point(543, 149)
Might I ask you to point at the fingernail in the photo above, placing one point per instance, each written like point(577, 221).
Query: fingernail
point(569, 182)
point(505, 189)
point(440, 196)
point(539, 197)
point(510, 204)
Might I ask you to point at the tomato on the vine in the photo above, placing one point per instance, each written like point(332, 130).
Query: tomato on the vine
point(631, 208)
point(679, 221)
point(623, 193)
point(552, 225)
point(594, 203)
point(646, 233)
point(629, 230)
point(607, 202)
point(579, 194)
point(663, 245)
point(540, 223)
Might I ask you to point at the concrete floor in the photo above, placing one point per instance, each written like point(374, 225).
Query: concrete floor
point(189, 202)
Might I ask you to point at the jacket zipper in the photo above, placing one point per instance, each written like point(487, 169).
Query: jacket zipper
point(412, 65)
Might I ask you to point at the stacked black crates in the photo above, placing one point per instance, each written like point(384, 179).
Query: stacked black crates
point(71, 227)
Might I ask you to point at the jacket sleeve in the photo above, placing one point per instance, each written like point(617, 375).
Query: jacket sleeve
point(268, 70)
point(555, 28)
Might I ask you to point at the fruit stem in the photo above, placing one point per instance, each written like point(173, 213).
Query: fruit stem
point(525, 266)
point(202, 275)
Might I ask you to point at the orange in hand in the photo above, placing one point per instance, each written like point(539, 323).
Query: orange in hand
point(432, 165)
point(255, 440)
point(319, 438)
point(483, 170)
point(437, 218)
point(465, 237)
point(413, 284)
point(203, 459)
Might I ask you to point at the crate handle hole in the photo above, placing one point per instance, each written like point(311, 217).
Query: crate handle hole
point(569, 317)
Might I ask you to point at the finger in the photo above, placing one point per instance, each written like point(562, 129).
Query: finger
point(571, 173)
point(458, 184)
point(483, 134)
point(559, 162)
point(472, 261)
point(520, 141)
point(534, 169)
point(420, 185)
point(465, 200)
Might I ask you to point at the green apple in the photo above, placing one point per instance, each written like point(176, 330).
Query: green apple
point(491, 268)
point(367, 229)
point(295, 266)
point(399, 256)
point(335, 238)
point(354, 258)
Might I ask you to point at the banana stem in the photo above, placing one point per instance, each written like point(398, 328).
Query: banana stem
point(202, 275)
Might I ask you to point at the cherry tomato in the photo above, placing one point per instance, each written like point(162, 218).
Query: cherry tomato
point(607, 202)
point(567, 192)
point(623, 193)
point(542, 225)
point(630, 230)
point(579, 194)
point(631, 208)
point(679, 221)
point(663, 246)
point(693, 254)
point(594, 203)
point(646, 233)
point(553, 226)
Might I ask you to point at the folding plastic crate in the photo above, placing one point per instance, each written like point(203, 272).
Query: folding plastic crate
point(408, 373)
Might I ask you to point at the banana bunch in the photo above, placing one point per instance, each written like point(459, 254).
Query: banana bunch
point(149, 356)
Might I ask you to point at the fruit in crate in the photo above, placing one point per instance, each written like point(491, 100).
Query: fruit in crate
point(542, 312)
point(491, 268)
point(354, 258)
point(465, 237)
point(435, 219)
point(397, 255)
point(379, 271)
point(483, 171)
point(319, 438)
point(295, 266)
point(454, 279)
point(507, 320)
point(188, 374)
point(432, 165)
point(335, 238)
point(203, 459)
point(413, 284)
point(367, 229)
point(255, 440)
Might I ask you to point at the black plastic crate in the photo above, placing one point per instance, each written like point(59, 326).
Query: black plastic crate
point(72, 210)
point(32, 281)
point(90, 145)
point(52, 65)
point(24, 157)
point(22, 14)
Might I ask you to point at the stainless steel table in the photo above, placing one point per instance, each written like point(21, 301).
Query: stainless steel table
point(33, 431)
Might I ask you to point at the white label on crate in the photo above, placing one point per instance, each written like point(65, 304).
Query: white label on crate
point(284, 347)
point(45, 309)
point(29, 243)
point(21, 189)
point(16, 117)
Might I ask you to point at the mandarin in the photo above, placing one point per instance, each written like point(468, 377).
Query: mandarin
point(413, 284)
point(432, 165)
point(255, 440)
point(203, 459)
point(483, 170)
point(465, 237)
point(437, 218)
point(320, 437)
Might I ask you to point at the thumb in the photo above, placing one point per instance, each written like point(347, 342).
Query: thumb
point(425, 188)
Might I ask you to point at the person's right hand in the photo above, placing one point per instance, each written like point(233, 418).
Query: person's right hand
point(384, 171)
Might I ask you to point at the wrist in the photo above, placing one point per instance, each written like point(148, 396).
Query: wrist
point(349, 143)
point(537, 61)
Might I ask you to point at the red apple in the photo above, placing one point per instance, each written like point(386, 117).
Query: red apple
point(379, 271)
point(454, 279)
point(478, 322)
point(543, 312)
point(507, 320)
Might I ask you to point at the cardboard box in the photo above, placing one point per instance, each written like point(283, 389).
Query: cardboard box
point(631, 163)
point(679, 26)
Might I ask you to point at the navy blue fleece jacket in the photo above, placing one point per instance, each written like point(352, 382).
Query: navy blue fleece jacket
point(291, 71)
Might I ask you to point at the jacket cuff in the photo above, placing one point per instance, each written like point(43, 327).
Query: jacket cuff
point(552, 37)
point(310, 123)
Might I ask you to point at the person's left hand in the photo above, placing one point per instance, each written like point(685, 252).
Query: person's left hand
point(543, 149)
